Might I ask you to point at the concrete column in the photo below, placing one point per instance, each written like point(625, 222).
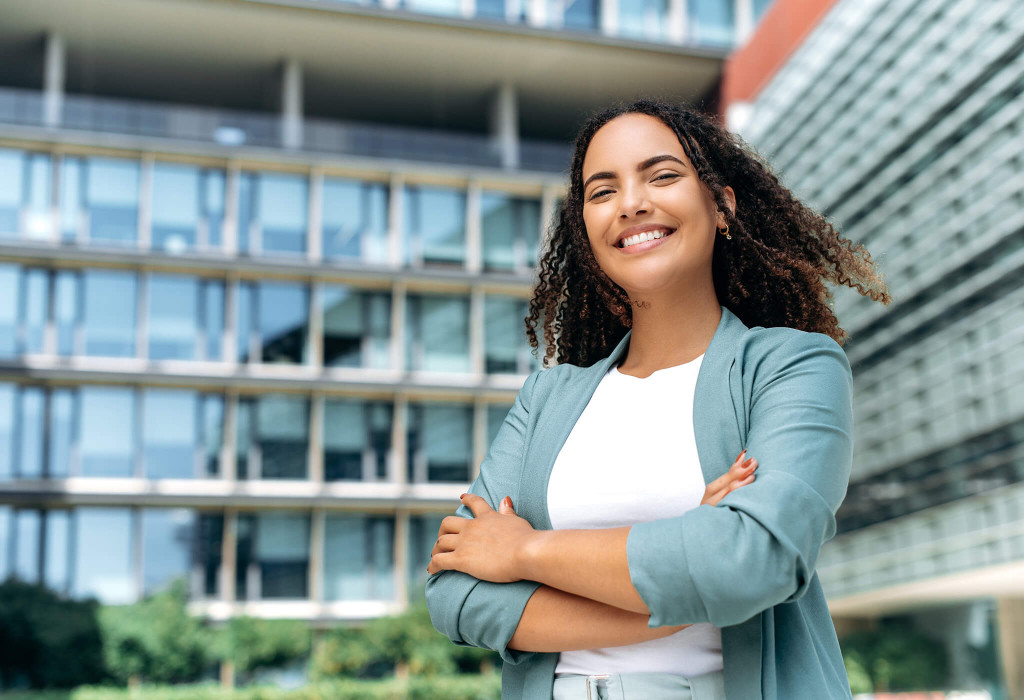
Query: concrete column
point(231, 303)
point(146, 204)
point(143, 280)
point(399, 428)
point(402, 557)
point(314, 352)
point(398, 339)
point(316, 439)
point(474, 229)
point(744, 13)
point(229, 234)
point(291, 104)
point(228, 559)
point(396, 221)
point(678, 24)
point(54, 68)
point(468, 8)
point(476, 332)
point(317, 528)
point(228, 453)
point(1010, 618)
point(504, 122)
point(537, 13)
point(480, 443)
point(314, 233)
point(609, 17)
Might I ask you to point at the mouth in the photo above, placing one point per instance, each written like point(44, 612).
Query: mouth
point(643, 241)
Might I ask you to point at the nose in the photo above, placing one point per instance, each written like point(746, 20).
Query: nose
point(633, 201)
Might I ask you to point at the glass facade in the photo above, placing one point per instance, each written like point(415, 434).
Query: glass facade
point(188, 207)
point(510, 229)
point(435, 225)
point(100, 200)
point(355, 220)
point(357, 440)
point(24, 194)
point(359, 562)
point(437, 333)
point(273, 437)
point(273, 213)
point(440, 442)
point(109, 312)
point(273, 322)
point(356, 327)
point(272, 556)
point(644, 19)
point(711, 22)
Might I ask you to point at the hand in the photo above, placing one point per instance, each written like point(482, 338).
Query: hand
point(740, 474)
point(489, 546)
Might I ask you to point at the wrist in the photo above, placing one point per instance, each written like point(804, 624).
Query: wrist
point(531, 554)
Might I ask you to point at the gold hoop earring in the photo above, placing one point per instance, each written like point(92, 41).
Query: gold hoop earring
point(725, 232)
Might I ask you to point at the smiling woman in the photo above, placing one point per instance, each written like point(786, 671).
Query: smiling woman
point(685, 311)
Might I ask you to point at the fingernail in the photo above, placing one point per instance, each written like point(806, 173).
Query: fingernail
point(741, 455)
point(748, 462)
point(463, 495)
point(507, 501)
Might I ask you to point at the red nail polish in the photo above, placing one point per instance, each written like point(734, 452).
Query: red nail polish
point(463, 495)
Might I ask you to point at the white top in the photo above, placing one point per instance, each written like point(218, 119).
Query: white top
point(632, 457)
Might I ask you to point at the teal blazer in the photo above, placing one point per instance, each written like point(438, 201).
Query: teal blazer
point(746, 565)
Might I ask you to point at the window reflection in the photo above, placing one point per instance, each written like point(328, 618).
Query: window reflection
point(63, 409)
point(100, 199)
point(579, 14)
point(24, 295)
point(357, 440)
point(5, 537)
point(27, 562)
point(510, 230)
point(209, 543)
point(273, 437)
point(644, 19)
point(273, 209)
point(355, 220)
point(169, 433)
point(30, 442)
point(9, 284)
point(167, 542)
point(356, 328)
point(437, 333)
point(188, 207)
point(103, 555)
point(711, 22)
point(24, 194)
point(57, 567)
point(67, 310)
point(107, 431)
point(109, 313)
point(8, 394)
point(172, 320)
point(358, 558)
point(451, 8)
point(440, 442)
point(272, 556)
point(273, 322)
point(505, 349)
point(435, 225)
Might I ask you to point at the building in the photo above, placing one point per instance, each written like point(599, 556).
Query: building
point(903, 121)
point(263, 273)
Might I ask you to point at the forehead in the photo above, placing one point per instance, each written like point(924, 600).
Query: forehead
point(629, 139)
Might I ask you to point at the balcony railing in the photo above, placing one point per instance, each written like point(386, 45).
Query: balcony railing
point(239, 128)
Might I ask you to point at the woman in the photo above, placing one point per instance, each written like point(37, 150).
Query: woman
point(683, 289)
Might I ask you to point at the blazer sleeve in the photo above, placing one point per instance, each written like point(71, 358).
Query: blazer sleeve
point(468, 611)
point(758, 547)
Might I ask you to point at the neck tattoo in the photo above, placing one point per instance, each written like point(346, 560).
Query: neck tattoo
point(640, 303)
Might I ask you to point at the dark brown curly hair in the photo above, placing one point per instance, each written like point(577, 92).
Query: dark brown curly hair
point(772, 272)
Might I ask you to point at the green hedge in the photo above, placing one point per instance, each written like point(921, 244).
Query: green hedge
point(460, 687)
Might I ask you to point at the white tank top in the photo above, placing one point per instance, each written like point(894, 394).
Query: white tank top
point(632, 457)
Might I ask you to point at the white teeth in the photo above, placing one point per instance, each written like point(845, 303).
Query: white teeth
point(643, 237)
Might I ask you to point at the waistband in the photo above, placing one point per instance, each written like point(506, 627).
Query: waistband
point(639, 686)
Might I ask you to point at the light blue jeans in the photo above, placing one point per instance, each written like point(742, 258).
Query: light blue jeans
point(639, 686)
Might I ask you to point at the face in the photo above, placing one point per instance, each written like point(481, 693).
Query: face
point(638, 180)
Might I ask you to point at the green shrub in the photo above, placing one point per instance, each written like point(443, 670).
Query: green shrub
point(251, 643)
point(47, 641)
point(156, 640)
point(896, 657)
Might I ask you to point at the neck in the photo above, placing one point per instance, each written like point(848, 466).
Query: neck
point(671, 329)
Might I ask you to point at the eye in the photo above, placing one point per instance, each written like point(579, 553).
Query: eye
point(599, 193)
point(663, 176)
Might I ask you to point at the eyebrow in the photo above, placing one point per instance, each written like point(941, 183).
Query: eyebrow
point(606, 175)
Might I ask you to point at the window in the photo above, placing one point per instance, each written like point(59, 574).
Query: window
point(273, 437)
point(711, 22)
point(272, 556)
point(435, 225)
point(577, 14)
point(168, 539)
point(437, 333)
point(355, 220)
point(510, 229)
point(273, 213)
point(185, 319)
point(273, 323)
point(63, 418)
point(644, 19)
point(9, 285)
point(359, 558)
point(103, 555)
point(357, 440)
point(100, 199)
point(106, 432)
point(24, 194)
point(170, 433)
point(23, 308)
point(440, 442)
point(30, 434)
point(422, 535)
point(109, 313)
point(188, 207)
point(356, 328)
point(505, 348)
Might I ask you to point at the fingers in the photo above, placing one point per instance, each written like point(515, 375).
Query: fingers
point(738, 470)
point(505, 507)
point(476, 504)
point(730, 481)
point(451, 524)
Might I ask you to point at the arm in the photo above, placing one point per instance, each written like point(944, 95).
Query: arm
point(712, 564)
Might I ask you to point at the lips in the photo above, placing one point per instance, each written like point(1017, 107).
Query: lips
point(643, 246)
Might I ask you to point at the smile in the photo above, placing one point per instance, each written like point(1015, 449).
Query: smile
point(643, 241)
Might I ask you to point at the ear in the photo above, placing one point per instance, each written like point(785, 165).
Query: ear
point(730, 199)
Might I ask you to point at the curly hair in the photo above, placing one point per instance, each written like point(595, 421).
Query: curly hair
point(772, 272)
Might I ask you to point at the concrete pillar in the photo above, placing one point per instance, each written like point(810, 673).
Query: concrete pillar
point(402, 557)
point(609, 12)
point(677, 22)
point(537, 13)
point(399, 428)
point(315, 337)
point(744, 13)
point(291, 104)
point(468, 8)
point(318, 526)
point(314, 232)
point(474, 229)
point(504, 122)
point(228, 558)
point(146, 203)
point(316, 439)
point(396, 221)
point(1010, 618)
point(54, 68)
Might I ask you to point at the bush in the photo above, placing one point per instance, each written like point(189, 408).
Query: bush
point(251, 643)
point(47, 641)
point(156, 640)
point(895, 657)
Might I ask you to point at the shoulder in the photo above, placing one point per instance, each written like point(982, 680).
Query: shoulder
point(558, 380)
point(767, 353)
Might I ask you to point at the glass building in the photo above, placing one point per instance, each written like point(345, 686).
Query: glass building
point(264, 271)
point(928, 173)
